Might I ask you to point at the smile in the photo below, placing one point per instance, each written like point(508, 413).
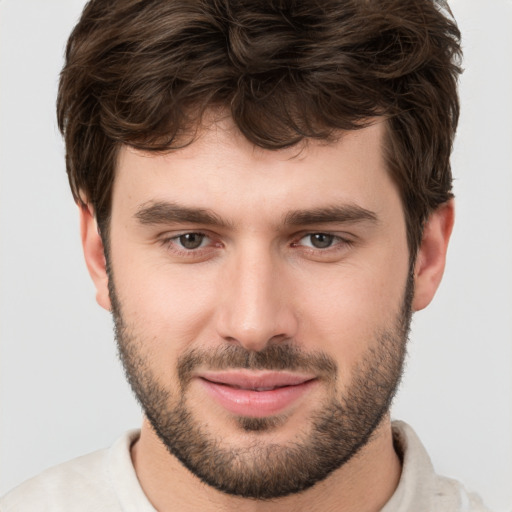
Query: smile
point(256, 394)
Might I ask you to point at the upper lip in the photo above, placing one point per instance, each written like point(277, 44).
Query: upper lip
point(255, 380)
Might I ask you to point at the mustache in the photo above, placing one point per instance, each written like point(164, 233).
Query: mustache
point(273, 357)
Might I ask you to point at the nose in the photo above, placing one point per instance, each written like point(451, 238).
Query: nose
point(256, 304)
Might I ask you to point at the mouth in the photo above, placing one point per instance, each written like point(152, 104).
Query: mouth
point(256, 394)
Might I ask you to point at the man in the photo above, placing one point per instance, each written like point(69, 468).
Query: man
point(265, 198)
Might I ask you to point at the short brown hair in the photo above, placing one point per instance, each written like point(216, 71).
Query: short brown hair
point(143, 72)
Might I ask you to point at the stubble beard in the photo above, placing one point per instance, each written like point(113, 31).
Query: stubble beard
point(263, 470)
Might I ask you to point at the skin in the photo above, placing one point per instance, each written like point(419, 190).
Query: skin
point(257, 280)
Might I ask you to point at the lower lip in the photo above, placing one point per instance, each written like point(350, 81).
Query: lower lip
point(256, 404)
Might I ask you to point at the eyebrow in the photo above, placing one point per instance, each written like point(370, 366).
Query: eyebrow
point(167, 213)
point(330, 214)
point(163, 212)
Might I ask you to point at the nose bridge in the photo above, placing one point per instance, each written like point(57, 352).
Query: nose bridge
point(255, 309)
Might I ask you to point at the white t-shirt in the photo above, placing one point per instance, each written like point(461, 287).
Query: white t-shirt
point(105, 481)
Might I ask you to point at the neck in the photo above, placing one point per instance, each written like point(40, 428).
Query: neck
point(170, 486)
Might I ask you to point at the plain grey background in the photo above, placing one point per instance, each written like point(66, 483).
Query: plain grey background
point(61, 388)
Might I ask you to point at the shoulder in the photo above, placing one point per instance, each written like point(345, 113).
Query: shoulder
point(420, 488)
point(82, 484)
point(70, 486)
point(451, 495)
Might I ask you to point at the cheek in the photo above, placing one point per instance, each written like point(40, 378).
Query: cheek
point(345, 317)
point(166, 309)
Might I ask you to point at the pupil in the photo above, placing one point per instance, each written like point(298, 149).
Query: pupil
point(191, 240)
point(321, 240)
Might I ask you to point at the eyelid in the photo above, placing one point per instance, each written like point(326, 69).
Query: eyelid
point(169, 241)
point(344, 238)
point(173, 234)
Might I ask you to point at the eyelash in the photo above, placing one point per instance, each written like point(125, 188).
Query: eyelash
point(171, 243)
point(339, 243)
point(336, 242)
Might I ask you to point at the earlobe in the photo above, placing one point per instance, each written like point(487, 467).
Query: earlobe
point(94, 255)
point(431, 257)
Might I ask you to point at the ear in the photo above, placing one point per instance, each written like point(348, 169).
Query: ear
point(94, 255)
point(431, 258)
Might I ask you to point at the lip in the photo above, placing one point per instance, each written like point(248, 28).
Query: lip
point(256, 394)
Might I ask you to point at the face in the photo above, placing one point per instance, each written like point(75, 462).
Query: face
point(261, 301)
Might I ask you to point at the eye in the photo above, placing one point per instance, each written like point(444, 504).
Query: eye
point(319, 240)
point(191, 241)
point(190, 246)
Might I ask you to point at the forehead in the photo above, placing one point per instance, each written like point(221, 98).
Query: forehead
point(221, 169)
